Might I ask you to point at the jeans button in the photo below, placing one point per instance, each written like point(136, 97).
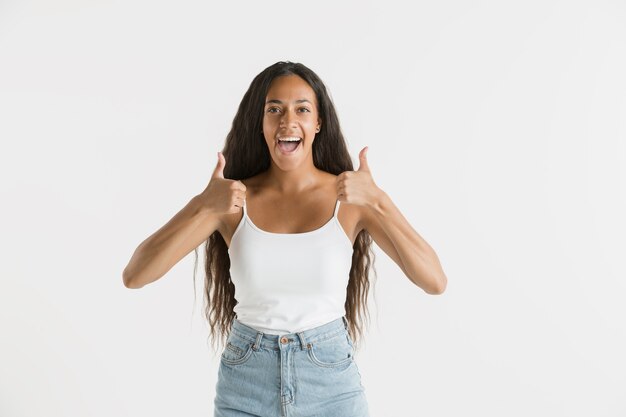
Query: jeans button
point(283, 340)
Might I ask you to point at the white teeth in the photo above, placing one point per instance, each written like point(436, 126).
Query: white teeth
point(289, 139)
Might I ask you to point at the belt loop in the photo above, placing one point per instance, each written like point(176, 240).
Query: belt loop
point(303, 343)
point(257, 342)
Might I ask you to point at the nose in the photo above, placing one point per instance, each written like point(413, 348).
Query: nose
point(287, 118)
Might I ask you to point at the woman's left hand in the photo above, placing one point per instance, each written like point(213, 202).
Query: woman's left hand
point(358, 187)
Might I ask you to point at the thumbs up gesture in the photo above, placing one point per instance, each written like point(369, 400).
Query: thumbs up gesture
point(358, 187)
point(223, 195)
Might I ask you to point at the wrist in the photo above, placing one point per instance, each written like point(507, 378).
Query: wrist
point(198, 206)
point(379, 202)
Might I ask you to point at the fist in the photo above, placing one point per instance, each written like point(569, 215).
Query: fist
point(357, 187)
point(223, 195)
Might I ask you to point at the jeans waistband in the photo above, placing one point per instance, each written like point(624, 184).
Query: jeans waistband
point(272, 341)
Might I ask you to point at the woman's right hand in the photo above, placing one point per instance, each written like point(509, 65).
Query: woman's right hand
point(222, 195)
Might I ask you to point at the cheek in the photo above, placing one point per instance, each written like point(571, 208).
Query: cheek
point(269, 123)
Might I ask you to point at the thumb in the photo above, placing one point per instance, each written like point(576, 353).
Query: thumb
point(218, 172)
point(363, 166)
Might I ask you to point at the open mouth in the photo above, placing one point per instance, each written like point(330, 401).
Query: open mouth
point(289, 146)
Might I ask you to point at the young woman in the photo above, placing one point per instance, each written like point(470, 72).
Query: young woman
point(288, 226)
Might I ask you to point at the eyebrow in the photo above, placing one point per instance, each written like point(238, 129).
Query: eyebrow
point(302, 100)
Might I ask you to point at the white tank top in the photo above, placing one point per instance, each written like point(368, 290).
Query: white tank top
point(289, 282)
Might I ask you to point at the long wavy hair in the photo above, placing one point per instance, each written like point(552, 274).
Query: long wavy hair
point(247, 154)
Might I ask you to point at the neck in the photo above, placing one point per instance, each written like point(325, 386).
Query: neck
point(294, 181)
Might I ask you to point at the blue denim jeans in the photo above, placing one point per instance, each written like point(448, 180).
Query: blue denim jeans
point(306, 374)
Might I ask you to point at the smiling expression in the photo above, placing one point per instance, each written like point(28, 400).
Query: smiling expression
point(290, 111)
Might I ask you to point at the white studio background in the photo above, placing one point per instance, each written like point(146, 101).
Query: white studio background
point(497, 128)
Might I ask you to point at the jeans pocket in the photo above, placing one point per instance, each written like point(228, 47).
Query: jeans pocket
point(237, 351)
point(331, 353)
point(350, 340)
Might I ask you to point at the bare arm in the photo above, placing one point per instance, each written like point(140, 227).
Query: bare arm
point(390, 229)
point(395, 235)
point(191, 226)
point(156, 255)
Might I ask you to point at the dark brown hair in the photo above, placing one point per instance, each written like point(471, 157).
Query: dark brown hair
point(247, 154)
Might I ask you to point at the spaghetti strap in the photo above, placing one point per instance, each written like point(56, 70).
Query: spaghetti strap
point(336, 209)
point(245, 213)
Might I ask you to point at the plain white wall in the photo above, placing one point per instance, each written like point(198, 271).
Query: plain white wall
point(497, 128)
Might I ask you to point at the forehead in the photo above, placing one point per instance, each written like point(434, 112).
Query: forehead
point(288, 88)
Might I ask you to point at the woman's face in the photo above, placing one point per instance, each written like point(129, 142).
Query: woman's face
point(290, 112)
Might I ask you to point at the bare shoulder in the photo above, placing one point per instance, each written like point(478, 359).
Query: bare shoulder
point(317, 203)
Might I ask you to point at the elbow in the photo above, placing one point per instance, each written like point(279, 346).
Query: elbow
point(439, 286)
point(128, 281)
